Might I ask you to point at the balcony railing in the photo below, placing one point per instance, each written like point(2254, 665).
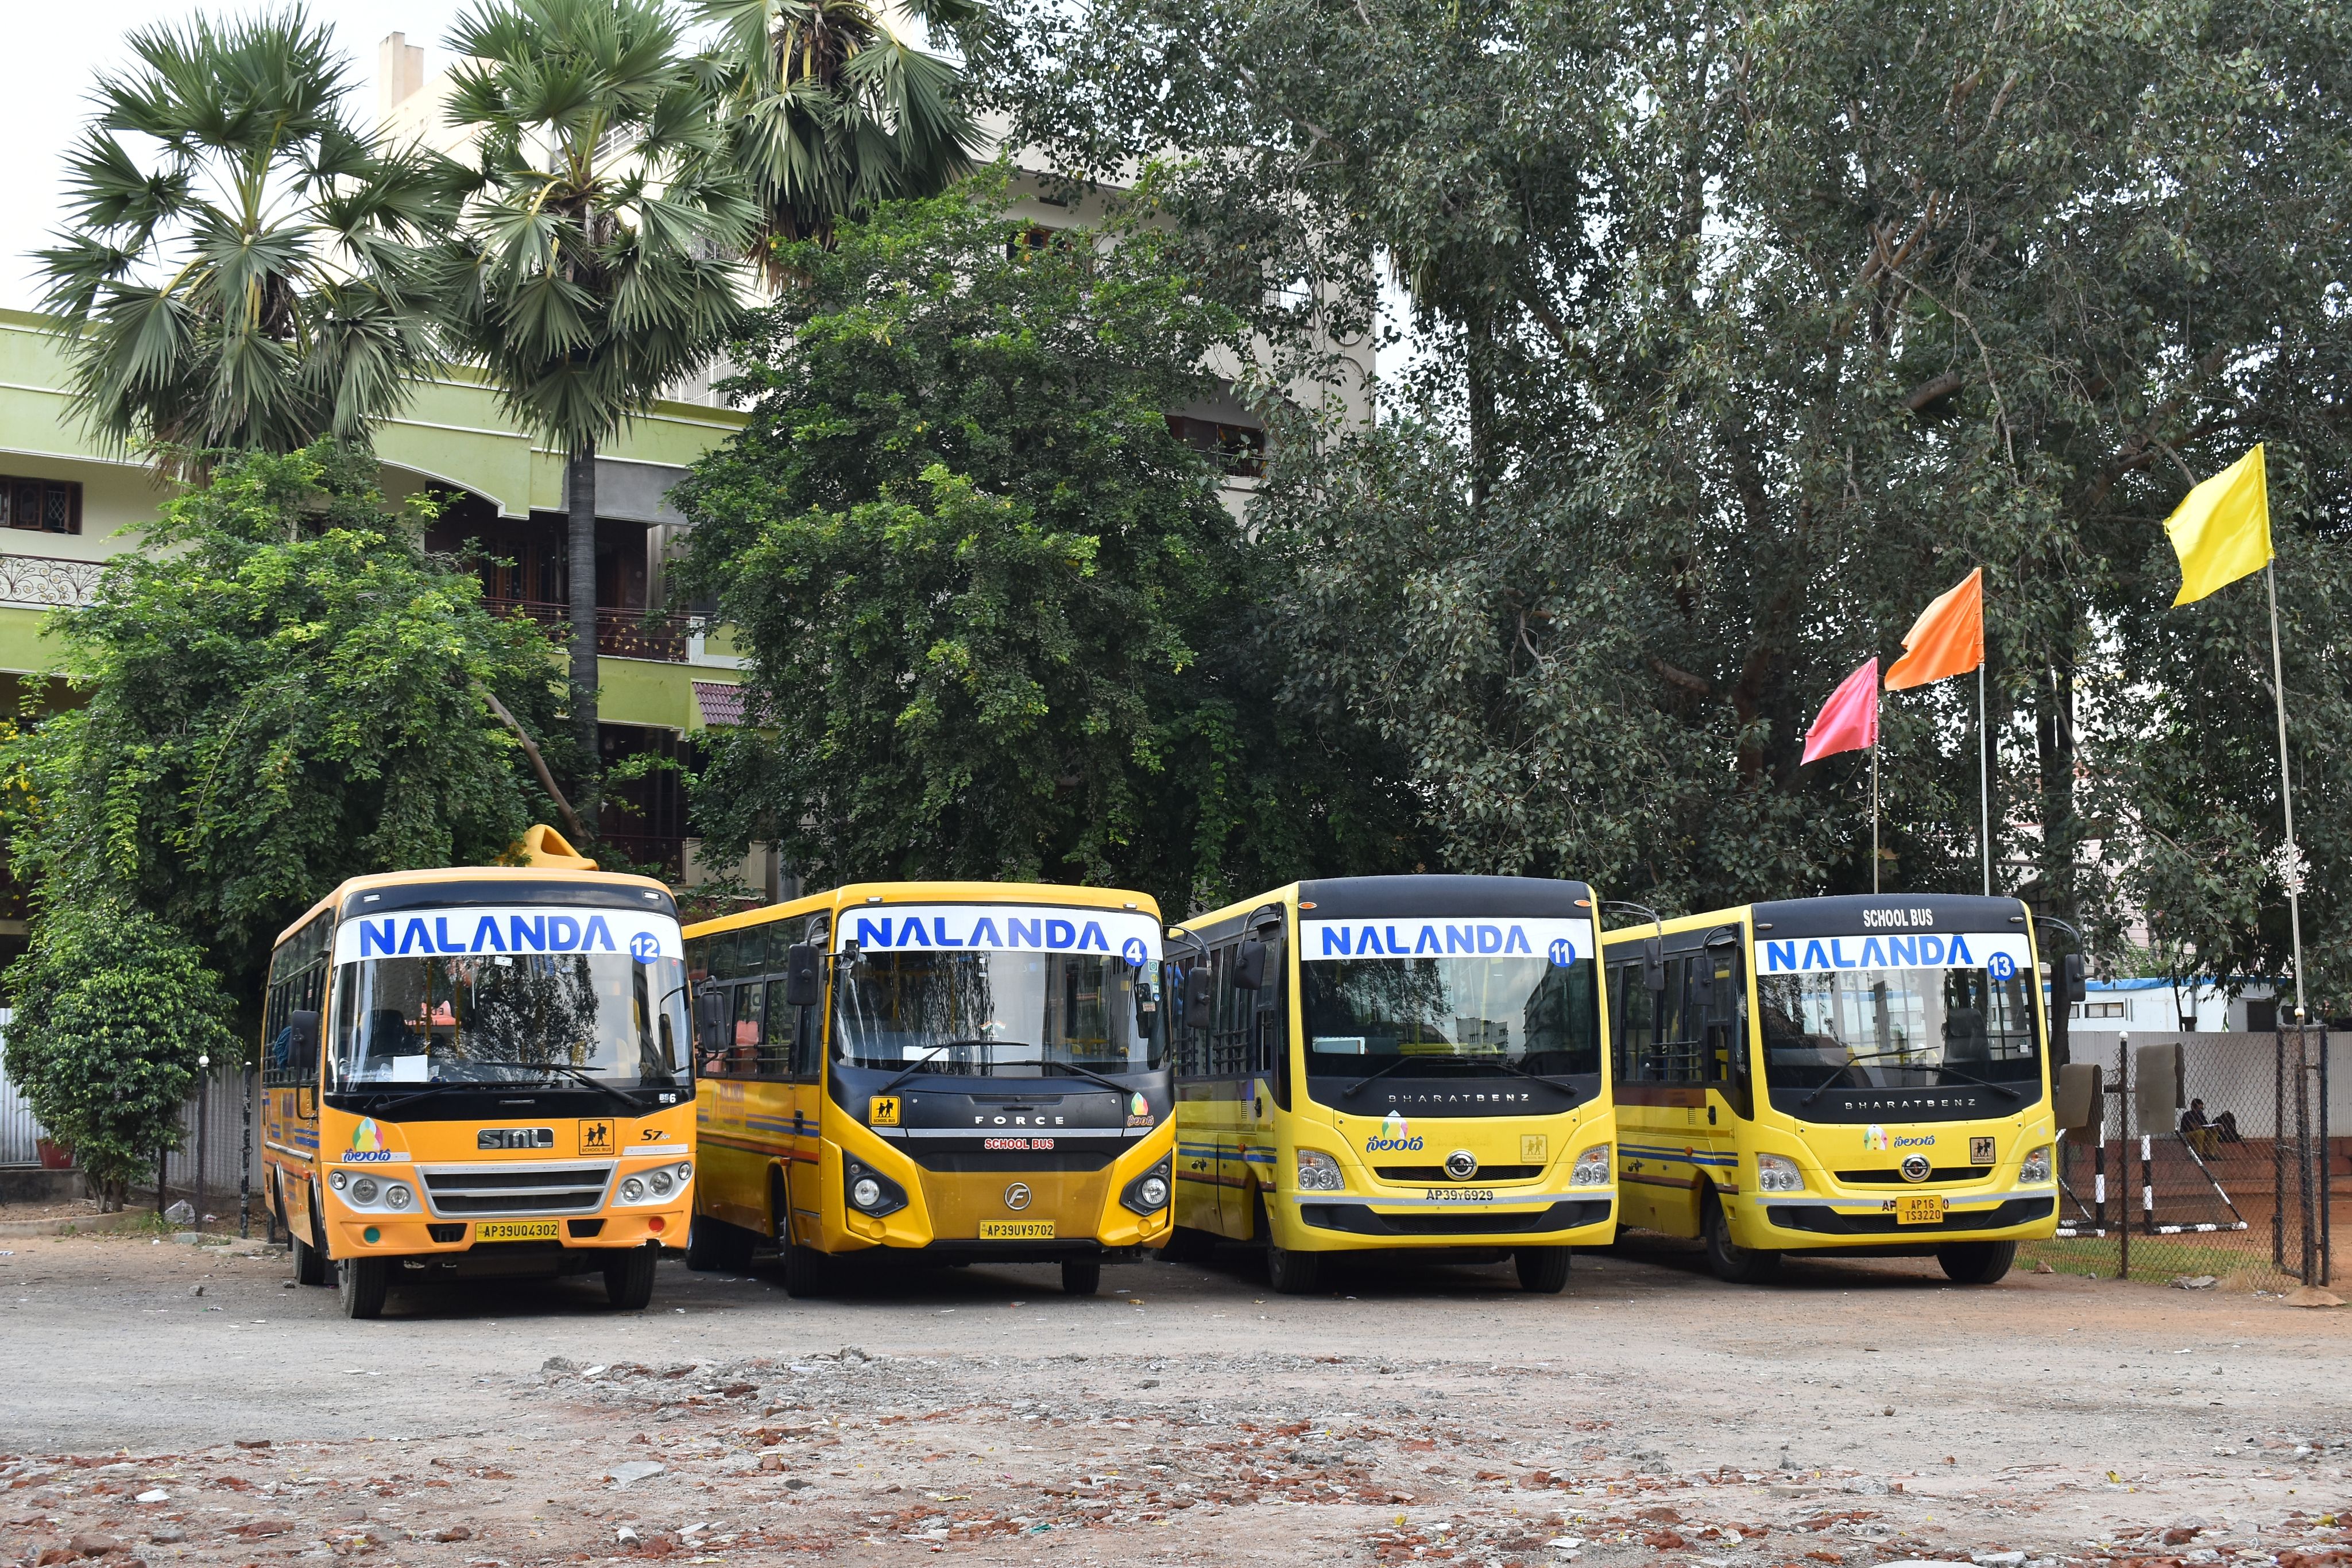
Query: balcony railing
point(620, 633)
point(47, 580)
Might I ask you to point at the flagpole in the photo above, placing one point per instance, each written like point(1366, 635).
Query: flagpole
point(2286, 796)
point(1874, 809)
point(1984, 782)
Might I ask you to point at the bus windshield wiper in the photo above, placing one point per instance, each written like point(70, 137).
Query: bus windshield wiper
point(1506, 1065)
point(916, 1067)
point(579, 1075)
point(1922, 1066)
point(1114, 1087)
point(412, 1097)
point(1381, 1073)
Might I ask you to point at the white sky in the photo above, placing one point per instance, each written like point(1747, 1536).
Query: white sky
point(60, 48)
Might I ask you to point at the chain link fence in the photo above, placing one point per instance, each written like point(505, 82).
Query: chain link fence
point(2210, 1161)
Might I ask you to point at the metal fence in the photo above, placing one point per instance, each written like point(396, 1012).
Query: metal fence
point(20, 1135)
point(2211, 1160)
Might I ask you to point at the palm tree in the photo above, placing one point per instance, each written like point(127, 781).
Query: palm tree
point(829, 113)
point(240, 270)
point(593, 264)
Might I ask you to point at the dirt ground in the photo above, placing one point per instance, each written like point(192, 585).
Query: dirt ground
point(167, 1402)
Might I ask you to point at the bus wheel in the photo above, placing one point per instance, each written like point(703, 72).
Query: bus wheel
point(1081, 1276)
point(629, 1279)
point(1734, 1264)
point(309, 1261)
point(808, 1273)
point(1976, 1262)
point(1293, 1273)
point(715, 1244)
point(366, 1283)
point(1542, 1269)
point(1186, 1245)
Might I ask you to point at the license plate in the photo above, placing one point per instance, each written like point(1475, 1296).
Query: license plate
point(517, 1230)
point(1461, 1194)
point(1923, 1210)
point(1017, 1230)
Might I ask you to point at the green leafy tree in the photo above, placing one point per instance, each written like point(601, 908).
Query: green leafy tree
point(1000, 620)
point(1746, 333)
point(592, 267)
point(829, 113)
point(113, 1011)
point(280, 689)
point(242, 269)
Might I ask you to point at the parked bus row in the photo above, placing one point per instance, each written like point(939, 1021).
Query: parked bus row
point(533, 1070)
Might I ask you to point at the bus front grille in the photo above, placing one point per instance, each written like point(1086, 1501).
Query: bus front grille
point(488, 1191)
point(1433, 1174)
point(1896, 1179)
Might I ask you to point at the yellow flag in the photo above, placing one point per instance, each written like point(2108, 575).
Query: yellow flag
point(2221, 530)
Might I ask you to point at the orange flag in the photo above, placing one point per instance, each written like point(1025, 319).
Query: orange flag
point(1946, 640)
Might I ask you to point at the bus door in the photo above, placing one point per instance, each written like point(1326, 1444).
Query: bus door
point(292, 1018)
point(1209, 1089)
point(1261, 1010)
point(797, 1034)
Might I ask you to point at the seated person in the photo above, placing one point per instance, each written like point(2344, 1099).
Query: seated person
point(2198, 1132)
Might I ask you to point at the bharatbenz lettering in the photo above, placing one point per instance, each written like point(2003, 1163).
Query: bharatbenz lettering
point(1407, 1063)
point(933, 1072)
point(1865, 1075)
point(480, 1072)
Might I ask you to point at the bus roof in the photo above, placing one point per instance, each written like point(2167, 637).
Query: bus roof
point(1350, 897)
point(515, 876)
point(1847, 915)
point(861, 894)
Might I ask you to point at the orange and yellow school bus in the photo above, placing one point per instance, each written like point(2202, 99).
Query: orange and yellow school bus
point(480, 1071)
point(933, 1072)
point(1400, 1064)
point(1863, 1076)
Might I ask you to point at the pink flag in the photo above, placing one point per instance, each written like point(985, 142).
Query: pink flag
point(1849, 720)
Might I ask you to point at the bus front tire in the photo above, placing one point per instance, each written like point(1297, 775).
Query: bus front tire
point(1293, 1273)
point(808, 1273)
point(1081, 1276)
point(1732, 1263)
point(1543, 1270)
point(311, 1262)
point(629, 1279)
point(713, 1244)
point(1976, 1262)
point(364, 1283)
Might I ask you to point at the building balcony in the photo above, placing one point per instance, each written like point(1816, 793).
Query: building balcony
point(47, 580)
point(620, 633)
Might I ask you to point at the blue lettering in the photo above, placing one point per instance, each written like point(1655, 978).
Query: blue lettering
point(596, 927)
point(532, 932)
point(372, 940)
point(1958, 957)
point(1779, 956)
point(939, 930)
point(1017, 931)
point(1394, 945)
point(871, 935)
point(488, 927)
point(1427, 941)
point(1931, 949)
point(1837, 954)
point(562, 934)
point(1060, 935)
point(413, 934)
point(1100, 943)
point(1490, 938)
point(1335, 940)
point(988, 927)
point(1870, 947)
point(1902, 951)
point(1460, 939)
point(1814, 958)
point(446, 943)
point(1518, 941)
point(1367, 941)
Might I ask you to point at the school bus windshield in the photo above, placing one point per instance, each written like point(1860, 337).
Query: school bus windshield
point(500, 1017)
point(1363, 1014)
point(998, 1011)
point(1898, 1028)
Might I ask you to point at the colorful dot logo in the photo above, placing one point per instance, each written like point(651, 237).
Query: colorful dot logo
point(367, 1137)
point(1874, 1138)
point(1393, 1126)
point(1137, 1106)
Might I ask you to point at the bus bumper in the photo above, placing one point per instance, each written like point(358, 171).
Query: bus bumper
point(375, 1236)
point(1332, 1222)
point(1838, 1222)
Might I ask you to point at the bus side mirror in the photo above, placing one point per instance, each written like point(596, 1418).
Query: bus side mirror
point(711, 1015)
point(1200, 996)
point(1249, 966)
point(803, 975)
point(305, 1025)
point(1654, 964)
point(2081, 1098)
point(2071, 985)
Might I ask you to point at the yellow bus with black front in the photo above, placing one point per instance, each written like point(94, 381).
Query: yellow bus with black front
point(933, 1073)
point(1856, 1076)
point(480, 1072)
point(1394, 1064)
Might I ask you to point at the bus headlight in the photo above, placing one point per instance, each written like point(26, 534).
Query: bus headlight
point(632, 1190)
point(870, 1191)
point(340, 1180)
point(685, 1172)
point(1778, 1172)
point(1148, 1193)
point(1591, 1168)
point(661, 1181)
point(2035, 1167)
point(397, 1195)
point(865, 1193)
point(1318, 1171)
point(363, 1190)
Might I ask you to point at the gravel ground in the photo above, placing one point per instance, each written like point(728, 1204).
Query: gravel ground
point(175, 1402)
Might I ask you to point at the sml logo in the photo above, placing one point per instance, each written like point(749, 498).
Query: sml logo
point(367, 1144)
point(1394, 1136)
point(1874, 1137)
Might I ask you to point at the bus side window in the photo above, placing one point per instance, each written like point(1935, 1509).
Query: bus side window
point(1634, 1013)
point(1727, 1029)
point(780, 1035)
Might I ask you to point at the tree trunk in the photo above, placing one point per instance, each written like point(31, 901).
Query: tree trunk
point(579, 495)
point(1478, 372)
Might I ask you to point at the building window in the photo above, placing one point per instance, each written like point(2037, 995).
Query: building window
point(2102, 1009)
point(41, 505)
point(1240, 449)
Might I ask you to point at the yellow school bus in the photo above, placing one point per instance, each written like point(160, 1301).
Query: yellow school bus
point(479, 1071)
point(1856, 1076)
point(1394, 1063)
point(932, 1073)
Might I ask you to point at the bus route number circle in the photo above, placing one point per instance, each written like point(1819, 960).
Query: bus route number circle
point(1563, 952)
point(645, 947)
point(2002, 966)
point(1133, 951)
